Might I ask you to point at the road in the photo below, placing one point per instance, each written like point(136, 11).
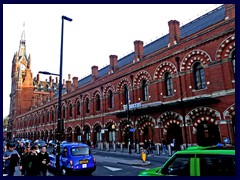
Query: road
point(119, 163)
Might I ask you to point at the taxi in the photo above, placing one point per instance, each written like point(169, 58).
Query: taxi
point(75, 158)
point(197, 161)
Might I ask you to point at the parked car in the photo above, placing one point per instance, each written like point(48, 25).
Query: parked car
point(197, 161)
point(74, 158)
point(52, 143)
point(40, 143)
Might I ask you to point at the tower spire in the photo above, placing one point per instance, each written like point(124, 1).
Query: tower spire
point(22, 47)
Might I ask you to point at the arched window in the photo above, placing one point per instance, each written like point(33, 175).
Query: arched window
point(87, 105)
point(70, 110)
point(144, 90)
point(111, 99)
point(168, 84)
point(52, 115)
point(126, 94)
point(98, 103)
point(78, 108)
point(233, 62)
point(199, 76)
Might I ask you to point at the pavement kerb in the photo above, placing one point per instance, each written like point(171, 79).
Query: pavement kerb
point(134, 163)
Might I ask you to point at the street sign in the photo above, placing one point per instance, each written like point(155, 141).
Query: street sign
point(132, 130)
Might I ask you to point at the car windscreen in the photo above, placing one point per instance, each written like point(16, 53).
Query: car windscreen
point(80, 151)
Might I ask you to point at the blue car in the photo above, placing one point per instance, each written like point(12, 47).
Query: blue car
point(75, 158)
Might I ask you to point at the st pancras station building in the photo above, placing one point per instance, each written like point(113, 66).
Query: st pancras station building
point(180, 86)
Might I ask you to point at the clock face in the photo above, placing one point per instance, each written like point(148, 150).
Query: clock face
point(23, 67)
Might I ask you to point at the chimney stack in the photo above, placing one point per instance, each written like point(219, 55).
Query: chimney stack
point(174, 32)
point(113, 63)
point(94, 72)
point(68, 86)
point(75, 82)
point(229, 11)
point(138, 50)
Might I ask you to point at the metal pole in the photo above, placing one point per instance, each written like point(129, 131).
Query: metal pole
point(182, 104)
point(60, 131)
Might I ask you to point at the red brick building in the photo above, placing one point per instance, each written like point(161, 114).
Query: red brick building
point(181, 85)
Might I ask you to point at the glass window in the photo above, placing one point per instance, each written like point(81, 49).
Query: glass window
point(126, 94)
point(168, 84)
point(178, 166)
point(98, 102)
point(111, 99)
point(78, 108)
point(216, 165)
point(80, 151)
point(63, 111)
point(70, 110)
point(87, 105)
point(144, 90)
point(199, 76)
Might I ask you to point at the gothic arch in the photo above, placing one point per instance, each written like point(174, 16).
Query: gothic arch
point(97, 123)
point(141, 75)
point(193, 56)
point(87, 95)
point(97, 91)
point(107, 88)
point(145, 120)
point(202, 113)
point(109, 122)
point(122, 82)
point(230, 111)
point(225, 47)
point(164, 67)
point(87, 124)
point(169, 115)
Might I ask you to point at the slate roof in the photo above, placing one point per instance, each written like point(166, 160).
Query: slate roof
point(190, 28)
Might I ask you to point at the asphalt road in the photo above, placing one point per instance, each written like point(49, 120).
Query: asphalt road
point(119, 163)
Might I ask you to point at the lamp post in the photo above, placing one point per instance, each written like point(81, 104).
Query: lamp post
point(60, 130)
point(128, 125)
point(181, 101)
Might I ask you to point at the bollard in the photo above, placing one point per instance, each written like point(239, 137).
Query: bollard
point(169, 150)
point(144, 155)
point(99, 145)
point(107, 147)
point(182, 147)
point(114, 147)
point(121, 147)
point(158, 150)
point(102, 146)
point(138, 149)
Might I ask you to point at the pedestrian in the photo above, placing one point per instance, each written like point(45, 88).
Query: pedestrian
point(25, 160)
point(20, 149)
point(33, 162)
point(151, 147)
point(173, 145)
point(164, 146)
point(11, 158)
point(44, 161)
point(146, 146)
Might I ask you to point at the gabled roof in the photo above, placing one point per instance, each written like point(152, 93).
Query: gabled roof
point(190, 28)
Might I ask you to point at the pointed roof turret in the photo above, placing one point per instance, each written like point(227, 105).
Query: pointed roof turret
point(22, 46)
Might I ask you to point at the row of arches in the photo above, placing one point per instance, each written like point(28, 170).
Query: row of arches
point(203, 124)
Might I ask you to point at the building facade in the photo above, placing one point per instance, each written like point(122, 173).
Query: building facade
point(181, 86)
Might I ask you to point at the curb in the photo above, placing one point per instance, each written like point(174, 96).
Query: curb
point(140, 163)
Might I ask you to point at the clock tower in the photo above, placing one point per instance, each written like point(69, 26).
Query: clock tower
point(22, 88)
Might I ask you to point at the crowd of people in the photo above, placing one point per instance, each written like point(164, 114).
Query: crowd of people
point(30, 160)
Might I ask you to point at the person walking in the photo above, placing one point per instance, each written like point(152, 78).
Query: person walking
point(24, 163)
point(146, 146)
point(151, 147)
point(11, 158)
point(33, 162)
point(164, 146)
point(44, 161)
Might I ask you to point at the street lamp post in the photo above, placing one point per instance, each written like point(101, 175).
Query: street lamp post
point(60, 128)
point(181, 101)
point(128, 125)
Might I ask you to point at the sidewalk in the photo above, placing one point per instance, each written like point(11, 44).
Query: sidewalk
point(137, 162)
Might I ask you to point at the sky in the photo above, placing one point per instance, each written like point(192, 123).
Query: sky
point(96, 31)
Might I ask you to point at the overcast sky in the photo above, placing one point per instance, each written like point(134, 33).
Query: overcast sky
point(96, 32)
